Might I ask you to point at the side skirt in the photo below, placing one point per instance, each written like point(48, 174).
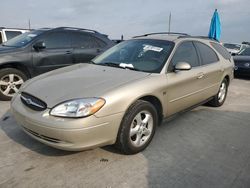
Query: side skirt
point(173, 116)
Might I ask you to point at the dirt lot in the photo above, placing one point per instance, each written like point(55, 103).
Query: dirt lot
point(206, 147)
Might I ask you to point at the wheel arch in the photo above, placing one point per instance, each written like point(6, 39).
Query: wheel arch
point(227, 78)
point(17, 65)
point(155, 101)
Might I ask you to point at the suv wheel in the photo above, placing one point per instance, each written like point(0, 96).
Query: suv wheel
point(10, 81)
point(220, 97)
point(137, 127)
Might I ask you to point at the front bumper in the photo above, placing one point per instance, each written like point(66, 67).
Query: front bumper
point(241, 71)
point(71, 134)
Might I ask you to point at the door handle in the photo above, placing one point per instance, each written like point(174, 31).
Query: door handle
point(200, 75)
point(68, 52)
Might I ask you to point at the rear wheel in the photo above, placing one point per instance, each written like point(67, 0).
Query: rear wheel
point(137, 127)
point(10, 81)
point(220, 97)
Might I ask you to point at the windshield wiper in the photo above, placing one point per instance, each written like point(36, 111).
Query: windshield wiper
point(120, 65)
point(111, 64)
point(91, 62)
point(128, 66)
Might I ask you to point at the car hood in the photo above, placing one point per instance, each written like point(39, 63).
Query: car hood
point(241, 58)
point(7, 49)
point(79, 81)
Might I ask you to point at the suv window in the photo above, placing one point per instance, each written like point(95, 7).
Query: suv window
point(57, 40)
point(82, 40)
point(186, 52)
point(207, 54)
point(12, 34)
point(221, 50)
point(100, 43)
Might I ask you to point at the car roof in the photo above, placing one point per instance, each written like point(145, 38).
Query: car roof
point(171, 36)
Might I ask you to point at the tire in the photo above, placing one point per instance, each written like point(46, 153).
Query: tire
point(10, 81)
point(219, 99)
point(137, 127)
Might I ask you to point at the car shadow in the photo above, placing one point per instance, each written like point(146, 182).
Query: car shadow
point(241, 77)
point(205, 147)
point(15, 133)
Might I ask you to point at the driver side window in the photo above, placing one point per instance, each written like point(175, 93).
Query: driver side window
point(185, 52)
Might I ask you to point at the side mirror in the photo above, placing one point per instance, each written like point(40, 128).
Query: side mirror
point(39, 45)
point(182, 66)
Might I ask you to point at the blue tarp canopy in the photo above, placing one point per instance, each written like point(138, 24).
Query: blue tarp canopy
point(215, 27)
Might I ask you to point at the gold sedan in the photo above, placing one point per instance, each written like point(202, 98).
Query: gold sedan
point(123, 94)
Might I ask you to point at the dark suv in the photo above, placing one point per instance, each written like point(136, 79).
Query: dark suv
point(43, 50)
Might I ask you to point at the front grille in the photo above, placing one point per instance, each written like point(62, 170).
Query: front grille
point(33, 102)
point(49, 139)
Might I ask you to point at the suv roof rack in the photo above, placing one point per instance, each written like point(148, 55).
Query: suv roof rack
point(77, 29)
point(160, 33)
point(198, 37)
point(13, 28)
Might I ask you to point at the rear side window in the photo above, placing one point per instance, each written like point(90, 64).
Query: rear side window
point(12, 34)
point(100, 43)
point(85, 41)
point(57, 40)
point(207, 54)
point(186, 52)
point(221, 50)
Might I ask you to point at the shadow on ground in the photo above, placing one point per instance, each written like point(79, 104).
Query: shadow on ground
point(14, 132)
point(201, 148)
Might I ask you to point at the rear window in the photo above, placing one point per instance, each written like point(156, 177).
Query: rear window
point(85, 41)
point(221, 50)
point(245, 52)
point(12, 34)
point(207, 54)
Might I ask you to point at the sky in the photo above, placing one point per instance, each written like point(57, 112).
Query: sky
point(131, 17)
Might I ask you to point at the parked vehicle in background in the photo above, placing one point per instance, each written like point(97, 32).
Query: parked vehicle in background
point(123, 95)
point(232, 48)
point(242, 63)
point(43, 50)
point(9, 33)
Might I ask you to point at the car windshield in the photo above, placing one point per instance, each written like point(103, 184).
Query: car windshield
point(232, 46)
point(245, 52)
point(147, 55)
point(23, 39)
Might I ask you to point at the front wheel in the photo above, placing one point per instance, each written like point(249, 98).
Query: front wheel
point(137, 127)
point(220, 97)
point(10, 81)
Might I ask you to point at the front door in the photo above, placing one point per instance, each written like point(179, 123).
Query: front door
point(56, 54)
point(184, 87)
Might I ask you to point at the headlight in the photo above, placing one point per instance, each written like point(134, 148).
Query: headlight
point(78, 107)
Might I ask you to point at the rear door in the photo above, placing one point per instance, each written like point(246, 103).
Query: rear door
point(184, 88)
point(57, 54)
point(211, 67)
point(86, 47)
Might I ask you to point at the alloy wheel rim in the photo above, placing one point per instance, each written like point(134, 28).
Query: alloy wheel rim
point(222, 92)
point(141, 128)
point(10, 84)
